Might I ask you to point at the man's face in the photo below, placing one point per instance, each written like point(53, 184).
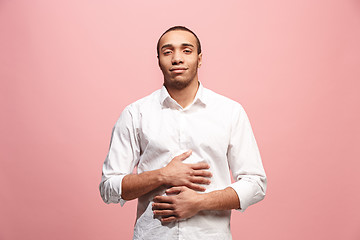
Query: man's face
point(178, 59)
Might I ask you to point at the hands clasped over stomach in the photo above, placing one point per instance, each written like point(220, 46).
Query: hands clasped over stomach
point(182, 200)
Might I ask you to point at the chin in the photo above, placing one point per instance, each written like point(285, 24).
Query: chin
point(178, 84)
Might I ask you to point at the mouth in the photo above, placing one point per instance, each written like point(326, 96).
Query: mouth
point(178, 69)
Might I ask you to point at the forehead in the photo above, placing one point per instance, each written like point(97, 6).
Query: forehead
point(177, 37)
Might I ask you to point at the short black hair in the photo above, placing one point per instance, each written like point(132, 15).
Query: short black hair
point(182, 28)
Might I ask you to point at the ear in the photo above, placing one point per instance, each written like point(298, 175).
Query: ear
point(199, 60)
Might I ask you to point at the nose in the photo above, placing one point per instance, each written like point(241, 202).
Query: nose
point(177, 58)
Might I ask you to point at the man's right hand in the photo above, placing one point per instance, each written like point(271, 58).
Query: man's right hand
point(177, 173)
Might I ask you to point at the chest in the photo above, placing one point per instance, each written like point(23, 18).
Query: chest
point(172, 130)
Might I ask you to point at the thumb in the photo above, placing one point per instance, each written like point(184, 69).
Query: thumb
point(185, 155)
point(174, 190)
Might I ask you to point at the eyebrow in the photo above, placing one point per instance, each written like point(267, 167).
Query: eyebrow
point(183, 45)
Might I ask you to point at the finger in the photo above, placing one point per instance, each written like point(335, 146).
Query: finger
point(200, 165)
point(200, 180)
point(202, 173)
point(185, 155)
point(162, 199)
point(168, 219)
point(163, 212)
point(174, 190)
point(162, 206)
point(196, 187)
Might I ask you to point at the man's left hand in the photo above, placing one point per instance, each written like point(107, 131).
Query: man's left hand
point(180, 203)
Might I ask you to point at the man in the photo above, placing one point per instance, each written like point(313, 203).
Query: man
point(183, 138)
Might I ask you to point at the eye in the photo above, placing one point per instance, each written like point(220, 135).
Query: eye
point(167, 52)
point(187, 51)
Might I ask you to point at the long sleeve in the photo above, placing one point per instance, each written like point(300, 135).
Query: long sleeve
point(123, 156)
point(245, 161)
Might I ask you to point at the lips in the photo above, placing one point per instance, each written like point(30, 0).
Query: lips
point(178, 69)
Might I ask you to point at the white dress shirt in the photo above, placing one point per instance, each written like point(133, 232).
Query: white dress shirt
point(153, 130)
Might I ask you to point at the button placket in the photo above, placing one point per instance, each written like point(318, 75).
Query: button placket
point(182, 130)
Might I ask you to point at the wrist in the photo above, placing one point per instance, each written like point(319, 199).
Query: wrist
point(201, 201)
point(161, 176)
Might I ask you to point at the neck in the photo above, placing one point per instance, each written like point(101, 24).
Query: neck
point(184, 97)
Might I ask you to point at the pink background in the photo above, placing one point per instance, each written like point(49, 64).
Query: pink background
point(68, 68)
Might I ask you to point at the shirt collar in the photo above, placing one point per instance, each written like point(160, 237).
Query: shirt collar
point(199, 97)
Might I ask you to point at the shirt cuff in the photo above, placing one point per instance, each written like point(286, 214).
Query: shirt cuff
point(112, 190)
point(246, 192)
point(122, 201)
